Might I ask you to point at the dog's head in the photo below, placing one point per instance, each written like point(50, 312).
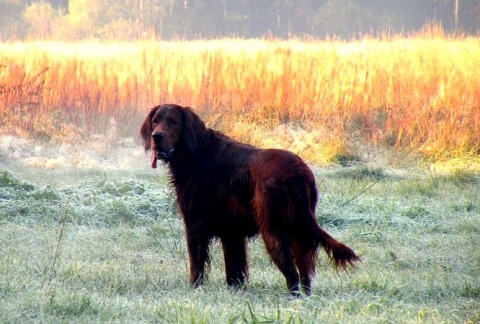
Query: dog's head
point(172, 131)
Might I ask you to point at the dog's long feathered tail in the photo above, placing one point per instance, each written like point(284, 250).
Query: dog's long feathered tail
point(339, 253)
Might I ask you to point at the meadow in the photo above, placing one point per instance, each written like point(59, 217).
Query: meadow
point(391, 127)
point(92, 235)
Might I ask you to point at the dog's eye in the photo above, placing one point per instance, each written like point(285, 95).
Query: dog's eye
point(155, 121)
point(172, 122)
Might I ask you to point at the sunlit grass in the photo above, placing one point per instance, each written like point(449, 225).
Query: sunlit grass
point(419, 94)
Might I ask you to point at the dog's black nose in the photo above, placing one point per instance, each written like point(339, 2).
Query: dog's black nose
point(158, 137)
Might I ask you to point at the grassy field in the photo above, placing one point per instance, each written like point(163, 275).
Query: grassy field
point(316, 98)
point(90, 234)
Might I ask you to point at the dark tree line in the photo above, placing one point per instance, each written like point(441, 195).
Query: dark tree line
point(166, 19)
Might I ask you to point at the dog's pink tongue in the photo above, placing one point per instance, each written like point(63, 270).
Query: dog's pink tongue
point(154, 160)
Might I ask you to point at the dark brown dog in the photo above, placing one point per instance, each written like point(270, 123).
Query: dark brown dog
point(232, 191)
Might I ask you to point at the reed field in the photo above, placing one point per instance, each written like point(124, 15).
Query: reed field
point(320, 99)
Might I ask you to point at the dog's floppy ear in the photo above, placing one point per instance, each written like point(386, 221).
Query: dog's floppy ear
point(147, 129)
point(194, 130)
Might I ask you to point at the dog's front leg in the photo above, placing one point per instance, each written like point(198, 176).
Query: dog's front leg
point(198, 250)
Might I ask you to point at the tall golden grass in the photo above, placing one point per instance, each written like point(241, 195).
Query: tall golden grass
point(314, 97)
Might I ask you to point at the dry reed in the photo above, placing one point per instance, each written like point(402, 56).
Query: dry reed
point(313, 97)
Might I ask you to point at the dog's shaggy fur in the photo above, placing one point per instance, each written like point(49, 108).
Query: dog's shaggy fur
point(233, 191)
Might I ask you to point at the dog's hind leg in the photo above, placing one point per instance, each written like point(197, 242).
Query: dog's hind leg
point(305, 244)
point(273, 216)
point(305, 260)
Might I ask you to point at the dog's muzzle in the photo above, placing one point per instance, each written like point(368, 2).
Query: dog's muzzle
point(165, 155)
point(157, 152)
